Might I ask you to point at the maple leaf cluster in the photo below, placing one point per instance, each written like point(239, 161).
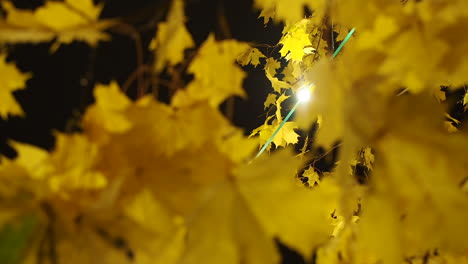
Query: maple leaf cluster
point(152, 182)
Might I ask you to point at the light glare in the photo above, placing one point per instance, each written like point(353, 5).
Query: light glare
point(304, 94)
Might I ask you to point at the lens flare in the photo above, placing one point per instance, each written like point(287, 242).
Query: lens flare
point(304, 94)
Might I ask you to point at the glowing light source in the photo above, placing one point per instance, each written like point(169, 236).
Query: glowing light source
point(304, 94)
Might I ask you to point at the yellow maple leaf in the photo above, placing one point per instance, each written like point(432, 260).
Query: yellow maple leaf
point(17, 177)
point(236, 238)
point(342, 32)
point(286, 135)
point(450, 127)
point(11, 80)
point(262, 137)
point(109, 97)
point(291, 11)
point(76, 171)
point(194, 142)
point(312, 176)
point(440, 95)
point(328, 103)
point(118, 239)
point(415, 76)
point(107, 114)
point(384, 28)
point(271, 68)
point(14, 34)
point(235, 146)
point(368, 157)
point(67, 21)
point(267, 185)
point(278, 103)
point(57, 16)
point(271, 99)
point(252, 195)
point(383, 246)
point(189, 126)
point(418, 176)
point(339, 248)
point(61, 172)
point(172, 38)
point(32, 159)
point(295, 40)
point(250, 56)
point(143, 207)
point(292, 72)
point(267, 14)
point(210, 84)
point(87, 8)
point(401, 51)
point(85, 245)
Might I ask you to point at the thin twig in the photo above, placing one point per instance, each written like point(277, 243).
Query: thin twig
point(78, 12)
point(318, 46)
point(316, 159)
point(332, 35)
point(402, 92)
point(129, 30)
point(253, 44)
point(226, 32)
point(183, 66)
point(134, 75)
point(48, 243)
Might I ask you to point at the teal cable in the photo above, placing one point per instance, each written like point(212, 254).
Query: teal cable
point(344, 42)
point(299, 101)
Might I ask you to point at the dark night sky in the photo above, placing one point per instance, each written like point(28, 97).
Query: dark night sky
point(62, 82)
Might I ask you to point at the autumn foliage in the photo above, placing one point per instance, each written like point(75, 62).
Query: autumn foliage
point(177, 183)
